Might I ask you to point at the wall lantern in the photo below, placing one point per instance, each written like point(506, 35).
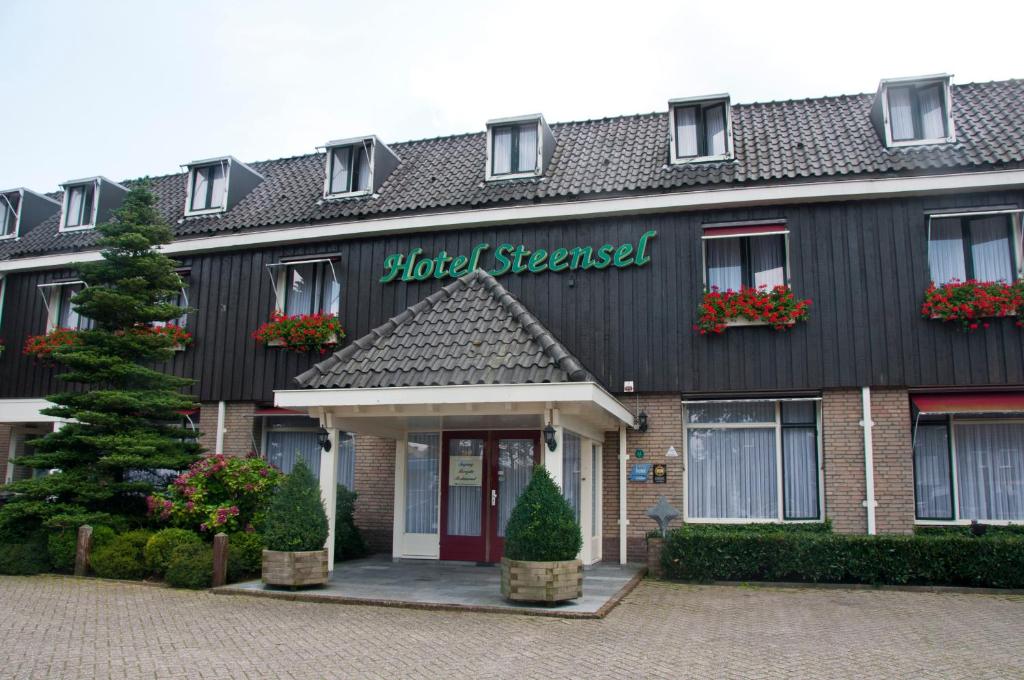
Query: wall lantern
point(325, 441)
point(549, 438)
point(641, 422)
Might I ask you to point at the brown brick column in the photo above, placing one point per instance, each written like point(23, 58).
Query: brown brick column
point(239, 427)
point(843, 458)
point(665, 418)
point(375, 484)
point(894, 464)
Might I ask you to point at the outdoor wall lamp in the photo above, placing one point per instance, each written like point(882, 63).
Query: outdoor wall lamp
point(325, 441)
point(641, 422)
point(549, 438)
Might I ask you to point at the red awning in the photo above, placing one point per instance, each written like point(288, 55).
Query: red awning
point(718, 232)
point(274, 411)
point(969, 402)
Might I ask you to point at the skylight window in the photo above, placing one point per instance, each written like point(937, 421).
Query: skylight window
point(914, 111)
point(700, 129)
point(79, 206)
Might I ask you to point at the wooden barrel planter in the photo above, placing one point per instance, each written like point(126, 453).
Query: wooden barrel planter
point(295, 569)
point(523, 581)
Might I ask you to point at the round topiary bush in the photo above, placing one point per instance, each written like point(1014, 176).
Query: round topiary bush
point(296, 519)
point(191, 566)
point(122, 557)
point(162, 544)
point(245, 554)
point(543, 526)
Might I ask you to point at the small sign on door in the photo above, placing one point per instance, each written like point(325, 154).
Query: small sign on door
point(465, 471)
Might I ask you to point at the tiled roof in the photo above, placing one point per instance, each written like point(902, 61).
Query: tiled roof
point(775, 142)
point(471, 332)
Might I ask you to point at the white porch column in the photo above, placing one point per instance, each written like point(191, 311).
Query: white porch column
point(553, 459)
point(623, 507)
point(398, 525)
point(329, 490)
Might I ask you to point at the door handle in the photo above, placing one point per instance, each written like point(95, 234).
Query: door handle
point(494, 497)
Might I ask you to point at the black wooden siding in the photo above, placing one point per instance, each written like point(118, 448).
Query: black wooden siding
point(864, 264)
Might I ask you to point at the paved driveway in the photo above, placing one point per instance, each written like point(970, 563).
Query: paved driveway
point(54, 627)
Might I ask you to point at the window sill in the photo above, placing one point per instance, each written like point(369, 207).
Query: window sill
point(68, 230)
point(937, 141)
point(748, 322)
point(966, 522)
point(703, 159)
point(330, 341)
point(516, 175)
point(201, 213)
point(347, 194)
point(752, 520)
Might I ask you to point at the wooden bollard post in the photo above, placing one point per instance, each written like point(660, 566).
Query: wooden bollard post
point(83, 550)
point(220, 559)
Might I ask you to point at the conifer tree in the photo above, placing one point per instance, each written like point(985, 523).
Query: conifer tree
point(122, 418)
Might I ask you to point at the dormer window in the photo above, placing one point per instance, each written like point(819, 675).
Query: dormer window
point(357, 166)
point(217, 184)
point(518, 147)
point(209, 187)
point(914, 111)
point(79, 210)
point(10, 204)
point(22, 209)
point(700, 129)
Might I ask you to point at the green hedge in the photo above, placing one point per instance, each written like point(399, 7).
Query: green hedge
point(29, 556)
point(951, 560)
point(245, 555)
point(122, 557)
point(161, 546)
point(191, 566)
point(348, 540)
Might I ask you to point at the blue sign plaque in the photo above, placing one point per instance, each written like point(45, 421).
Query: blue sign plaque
point(639, 472)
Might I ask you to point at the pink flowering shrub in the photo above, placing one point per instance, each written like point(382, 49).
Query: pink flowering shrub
point(218, 493)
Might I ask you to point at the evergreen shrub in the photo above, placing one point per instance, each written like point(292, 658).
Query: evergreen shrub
point(245, 554)
point(191, 566)
point(162, 544)
point(296, 519)
point(543, 526)
point(122, 558)
point(348, 540)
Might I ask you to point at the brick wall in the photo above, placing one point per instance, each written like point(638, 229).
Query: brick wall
point(375, 484)
point(665, 418)
point(894, 464)
point(843, 457)
point(239, 425)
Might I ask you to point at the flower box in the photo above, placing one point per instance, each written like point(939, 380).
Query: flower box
point(777, 307)
point(969, 303)
point(525, 581)
point(301, 332)
point(295, 569)
point(41, 347)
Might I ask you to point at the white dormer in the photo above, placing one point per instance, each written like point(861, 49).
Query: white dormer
point(700, 129)
point(357, 166)
point(914, 111)
point(22, 209)
point(88, 202)
point(518, 147)
point(216, 185)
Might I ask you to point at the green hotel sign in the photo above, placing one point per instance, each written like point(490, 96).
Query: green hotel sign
point(507, 258)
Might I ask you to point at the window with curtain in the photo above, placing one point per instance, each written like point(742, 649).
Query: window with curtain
point(917, 112)
point(701, 130)
point(209, 186)
point(734, 460)
point(978, 247)
point(595, 488)
point(752, 261)
point(181, 300)
point(79, 205)
point(311, 287)
point(422, 482)
point(291, 438)
point(8, 213)
point(66, 316)
point(988, 459)
point(349, 169)
point(514, 149)
point(571, 463)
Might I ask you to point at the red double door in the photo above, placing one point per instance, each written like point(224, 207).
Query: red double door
point(482, 476)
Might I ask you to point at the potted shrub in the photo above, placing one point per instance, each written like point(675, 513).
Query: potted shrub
point(542, 540)
point(296, 531)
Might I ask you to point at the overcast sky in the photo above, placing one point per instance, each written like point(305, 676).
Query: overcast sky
point(129, 88)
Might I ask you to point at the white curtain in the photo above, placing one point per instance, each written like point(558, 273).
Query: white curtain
point(299, 294)
point(421, 483)
point(933, 119)
point(284, 449)
point(362, 182)
point(219, 180)
point(800, 472)
point(946, 250)
point(732, 412)
point(7, 216)
point(686, 132)
point(502, 154)
point(527, 148)
point(515, 467)
point(347, 460)
point(990, 470)
point(901, 113)
point(340, 160)
point(465, 502)
point(67, 315)
point(595, 486)
point(932, 496)
point(200, 187)
point(725, 264)
point(990, 249)
point(79, 206)
point(571, 446)
point(767, 261)
point(714, 124)
point(731, 473)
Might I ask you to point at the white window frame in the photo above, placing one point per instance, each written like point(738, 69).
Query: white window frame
point(96, 186)
point(9, 213)
point(942, 79)
point(517, 121)
point(278, 273)
point(184, 296)
point(1017, 224)
point(191, 182)
point(780, 517)
point(701, 102)
point(51, 293)
point(369, 145)
point(951, 423)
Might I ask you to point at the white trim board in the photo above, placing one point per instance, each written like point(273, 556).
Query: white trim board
point(704, 199)
point(25, 411)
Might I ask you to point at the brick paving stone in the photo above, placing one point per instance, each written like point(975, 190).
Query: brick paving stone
point(57, 627)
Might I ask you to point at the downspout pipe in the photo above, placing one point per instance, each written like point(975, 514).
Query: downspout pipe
point(869, 459)
point(623, 505)
point(221, 416)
